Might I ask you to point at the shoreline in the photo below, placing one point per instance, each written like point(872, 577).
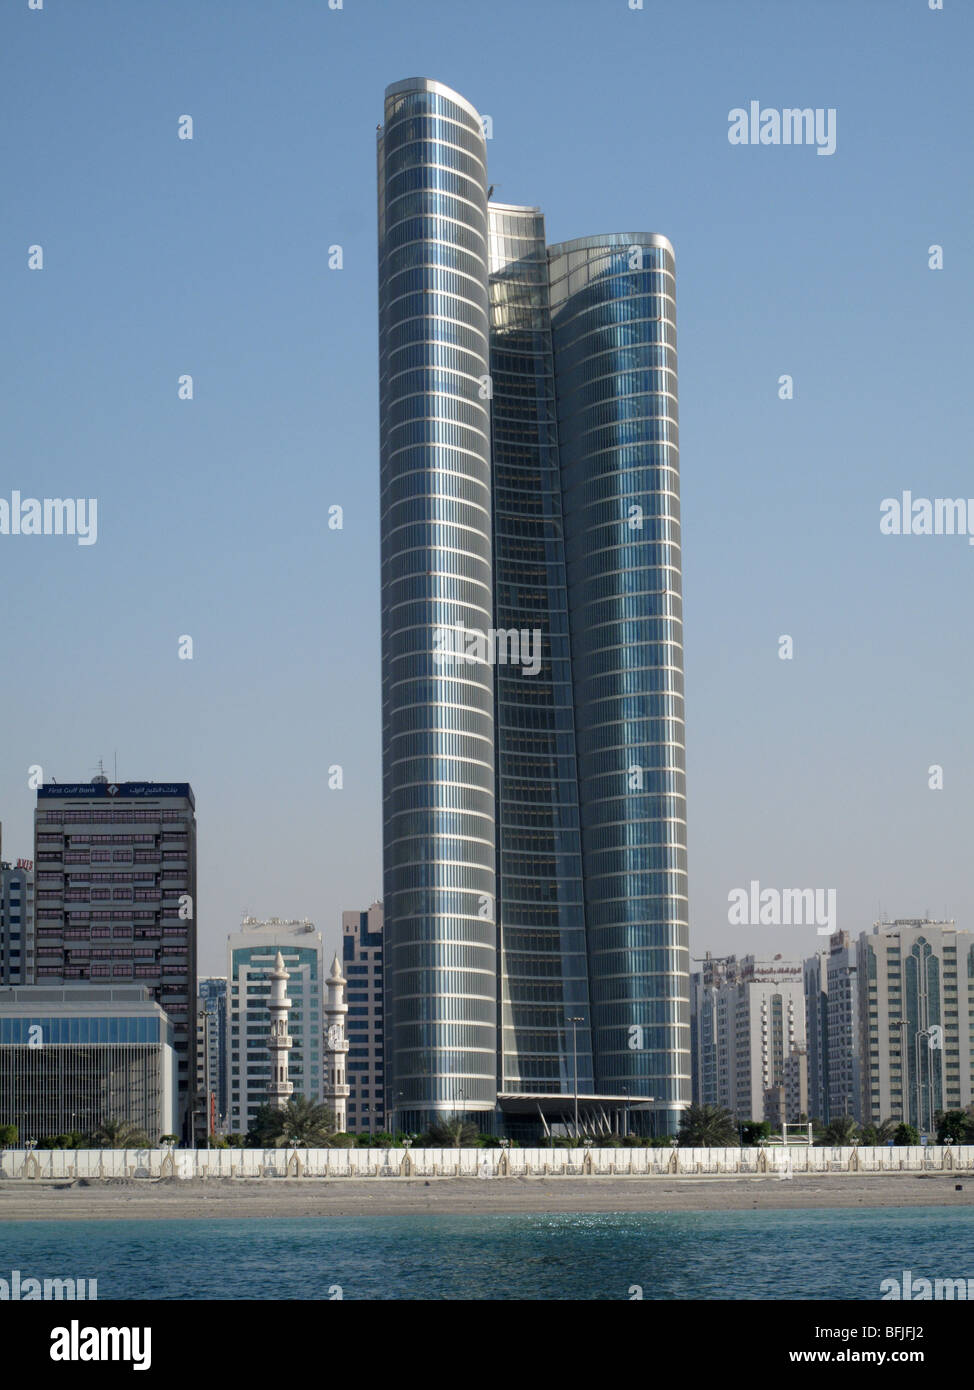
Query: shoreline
point(265, 1199)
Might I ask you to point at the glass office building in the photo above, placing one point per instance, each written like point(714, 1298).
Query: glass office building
point(438, 719)
point(535, 827)
point(78, 1056)
point(543, 964)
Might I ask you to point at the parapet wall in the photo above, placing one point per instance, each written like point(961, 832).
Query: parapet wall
point(70, 1164)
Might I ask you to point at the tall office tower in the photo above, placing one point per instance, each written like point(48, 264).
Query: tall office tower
point(251, 959)
point(614, 335)
point(115, 893)
point(815, 974)
point(211, 1048)
point(17, 922)
point(529, 475)
point(842, 1031)
point(437, 719)
point(760, 1023)
point(362, 961)
point(916, 1020)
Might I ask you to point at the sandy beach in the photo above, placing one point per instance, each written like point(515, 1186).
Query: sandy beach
point(264, 1200)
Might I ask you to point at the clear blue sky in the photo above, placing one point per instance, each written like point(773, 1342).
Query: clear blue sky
point(209, 257)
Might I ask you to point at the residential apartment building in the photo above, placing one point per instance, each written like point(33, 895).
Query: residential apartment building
point(759, 1022)
point(795, 1080)
point(365, 1068)
point(211, 1049)
point(816, 981)
point(842, 1029)
point(17, 922)
point(704, 984)
point(916, 1020)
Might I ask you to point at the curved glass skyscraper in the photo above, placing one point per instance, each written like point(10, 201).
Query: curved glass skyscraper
point(534, 811)
point(438, 717)
point(614, 333)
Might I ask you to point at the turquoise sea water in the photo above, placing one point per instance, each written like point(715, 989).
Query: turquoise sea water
point(736, 1255)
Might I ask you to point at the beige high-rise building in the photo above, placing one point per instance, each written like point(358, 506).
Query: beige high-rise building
point(842, 1028)
point(916, 1031)
point(760, 1021)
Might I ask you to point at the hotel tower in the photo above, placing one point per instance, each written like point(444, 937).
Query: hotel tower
point(535, 876)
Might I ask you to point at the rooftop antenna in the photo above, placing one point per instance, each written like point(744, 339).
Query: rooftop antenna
point(115, 777)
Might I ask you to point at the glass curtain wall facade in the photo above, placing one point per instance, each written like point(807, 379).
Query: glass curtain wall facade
point(74, 1058)
point(437, 717)
point(613, 310)
point(557, 514)
point(541, 919)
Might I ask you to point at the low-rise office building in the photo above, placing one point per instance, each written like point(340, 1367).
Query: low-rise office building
point(74, 1057)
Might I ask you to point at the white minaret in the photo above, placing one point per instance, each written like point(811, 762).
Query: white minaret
point(336, 1046)
point(279, 1041)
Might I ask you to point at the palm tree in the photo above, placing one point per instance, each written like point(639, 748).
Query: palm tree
point(119, 1134)
point(707, 1127)
point(840, 1131)
point(453, 1133)
point(265, 1128)
point(306, 1124)
point(886, 1130)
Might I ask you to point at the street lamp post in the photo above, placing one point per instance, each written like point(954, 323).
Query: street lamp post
point(928, 1034)
point(902, 1023)
point(575, 1021)
point(395, 1106)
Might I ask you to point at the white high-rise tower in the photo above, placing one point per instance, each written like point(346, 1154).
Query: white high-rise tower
point(336, 1046)
point(279, 1040)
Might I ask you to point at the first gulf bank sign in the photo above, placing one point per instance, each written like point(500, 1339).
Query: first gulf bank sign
point(111, 790)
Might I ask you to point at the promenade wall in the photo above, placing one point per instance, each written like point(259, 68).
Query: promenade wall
point(93, 1164)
